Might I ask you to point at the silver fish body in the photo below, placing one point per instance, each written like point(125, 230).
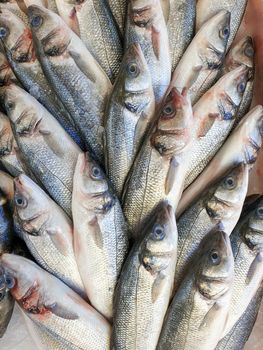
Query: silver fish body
point(100, 234)
point(119, 10)
point(144, 289)
point(159, 169)
point(198, 312)
point(49, 151)
point(129, 115)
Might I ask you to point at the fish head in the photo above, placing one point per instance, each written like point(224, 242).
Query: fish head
point(31, 206)
point(213, 38)
point(241, 54)
point(254, 229)
point(49, 29)
point(16, 37)
point(7, 186)
point(6, 73)
point(160, 243)
point(6, 140)
point(216, 265)
point(172, 134)
point(228, 194)
point(143, 14)
point(93, 188)
point(136, 78)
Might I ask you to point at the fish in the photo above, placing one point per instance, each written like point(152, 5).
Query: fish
point(240, 53)
point(205, 9)
point(159, 169)
point(7, 76)
point(7, 185)
point(55, 307)
point(146, 25)
point(10, 156)
point(214, 117)
point(119, 10)
point(198, 311)
point(247, 246)
point(100, 234)
point(6, 246)
point(16, 7)
point(75, 75)
point(89, 17)
point(47, 232)
point(49, 151)
point(129, 115)
point(180, 25)
point(18, 43)
point(144, 289)
point(199, 66)
point(240, 332)
point(219, 206)
point(242, 146)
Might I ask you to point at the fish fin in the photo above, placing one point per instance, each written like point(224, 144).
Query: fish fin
point(158, 286)
point(210, 315)
point(61, 311)
point(193, 76)
point(95, 231)
point(256, 263)
point(82, 65)
point(56, 147)
point(73, 21)
point(207, 124)
point(56, 237)
point(156, 42)
point(140, 129)
point(44, 132)
point(171, 175)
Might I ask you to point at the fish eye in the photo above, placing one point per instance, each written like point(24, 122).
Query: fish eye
point(96, 173)
point(3, 32)
point(215, 258)
point(9, 105)
point(20, 201)
point(133, 70)
point(168, 110)
point(224, 33)
point(249, 51)
point(36, 21)
point(241, 87)
point(229, 183)
point(228, 116)
point(158, 232)
point(259, 212)
point(10, 281)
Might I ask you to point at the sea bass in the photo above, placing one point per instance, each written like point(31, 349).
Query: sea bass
point(129, 114)
point(47, 231)
point(49, 151)
point(7, 76)
point(100, 234)
point(144, 289)
point(75, 75)
point(198, 312)
point(158, 172)
point(241, 146)
point(199, 65)
point(55, 307)
point(146, 25)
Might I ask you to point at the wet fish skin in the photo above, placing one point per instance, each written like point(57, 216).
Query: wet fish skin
point(49, 151)
point(18, 44)
point(47, 231)
point(146, 25)
point(180, 25)
point(6, 73)
point(7, 185)
point(10, 155)
point(214, 116)
point(144, 289)
point(6, 241)
point(201, 304)
point(74, 74)
point(219, 206)
point(119, 10)
point(247, 245)
point(199, 65)
point(94, 23)
point(15, 7)
point(242, 146)
point(55, 307)
point(239, 53)
point(100, 234)
point(240, 332)
point(129, 115)
point(159, 169)
point(205, 9)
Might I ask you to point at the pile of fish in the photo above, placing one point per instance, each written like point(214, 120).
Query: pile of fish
point(128, 135)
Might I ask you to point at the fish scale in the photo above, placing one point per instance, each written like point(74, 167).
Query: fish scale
point(119, 9)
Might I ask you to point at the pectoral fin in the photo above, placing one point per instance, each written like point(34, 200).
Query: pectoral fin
point(171, 175)
point(210, 316)
point(57, 239)
point(62, 311)
point(158, 286)
point(95, 231)
point(254, 267)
